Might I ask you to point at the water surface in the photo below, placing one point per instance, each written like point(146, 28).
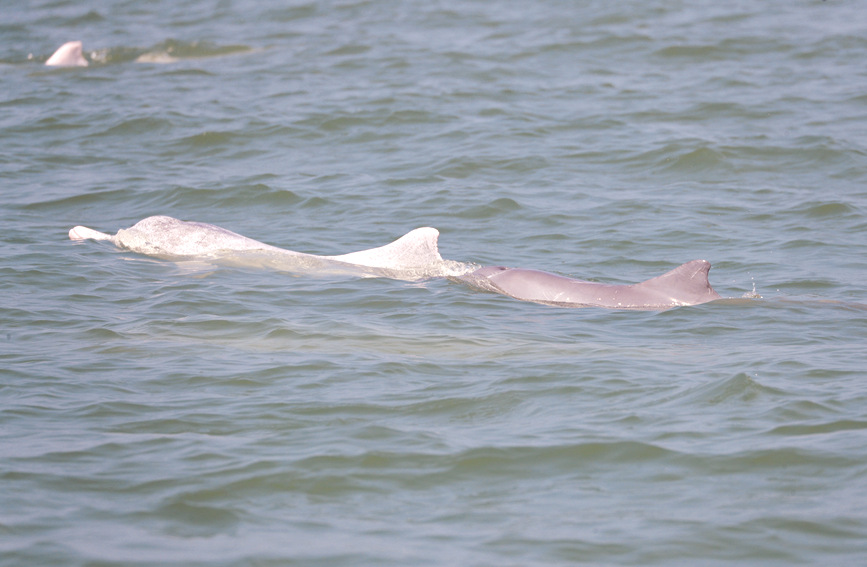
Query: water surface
point(155, 414)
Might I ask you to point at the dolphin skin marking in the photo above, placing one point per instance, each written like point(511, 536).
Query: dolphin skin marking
point(68, 55)
point(413, 256)
point(685, 285)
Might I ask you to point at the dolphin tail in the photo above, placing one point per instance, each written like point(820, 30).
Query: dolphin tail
point(687, 284)
point(83, 233)
point(415, 249)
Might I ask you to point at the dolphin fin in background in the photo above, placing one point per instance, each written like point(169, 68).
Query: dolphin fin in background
point(68, 55)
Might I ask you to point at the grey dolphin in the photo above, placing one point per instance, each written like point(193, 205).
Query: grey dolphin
point(685, 285)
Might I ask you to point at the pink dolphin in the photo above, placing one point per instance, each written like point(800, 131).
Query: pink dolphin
point(685, 285)
point(414, 256)
point(68, 55)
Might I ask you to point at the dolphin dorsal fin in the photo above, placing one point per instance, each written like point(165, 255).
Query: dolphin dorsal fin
point(68, 55)
point(416, 248)
point(686, 284)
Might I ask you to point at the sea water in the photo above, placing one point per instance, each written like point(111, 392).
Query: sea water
point(153, 414)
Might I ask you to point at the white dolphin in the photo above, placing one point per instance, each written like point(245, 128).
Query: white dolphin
point(68, 55)
point(414, 256)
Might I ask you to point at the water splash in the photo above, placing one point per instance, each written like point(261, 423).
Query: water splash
point(752, 294)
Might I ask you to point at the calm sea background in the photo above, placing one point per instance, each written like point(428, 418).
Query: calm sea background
point(152, 414)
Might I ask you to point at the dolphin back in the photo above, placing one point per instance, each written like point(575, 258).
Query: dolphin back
point(685, 285)
point(413, 257)
point(168, 238)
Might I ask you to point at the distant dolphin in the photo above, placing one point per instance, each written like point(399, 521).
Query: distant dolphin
point(413, 256)
point(685, 285)
point(68, 55)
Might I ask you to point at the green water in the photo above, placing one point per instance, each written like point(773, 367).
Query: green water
point(154, 413)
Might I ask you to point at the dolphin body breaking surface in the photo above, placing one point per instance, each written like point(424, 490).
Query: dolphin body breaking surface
point(412, 257)
point(685, 285)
